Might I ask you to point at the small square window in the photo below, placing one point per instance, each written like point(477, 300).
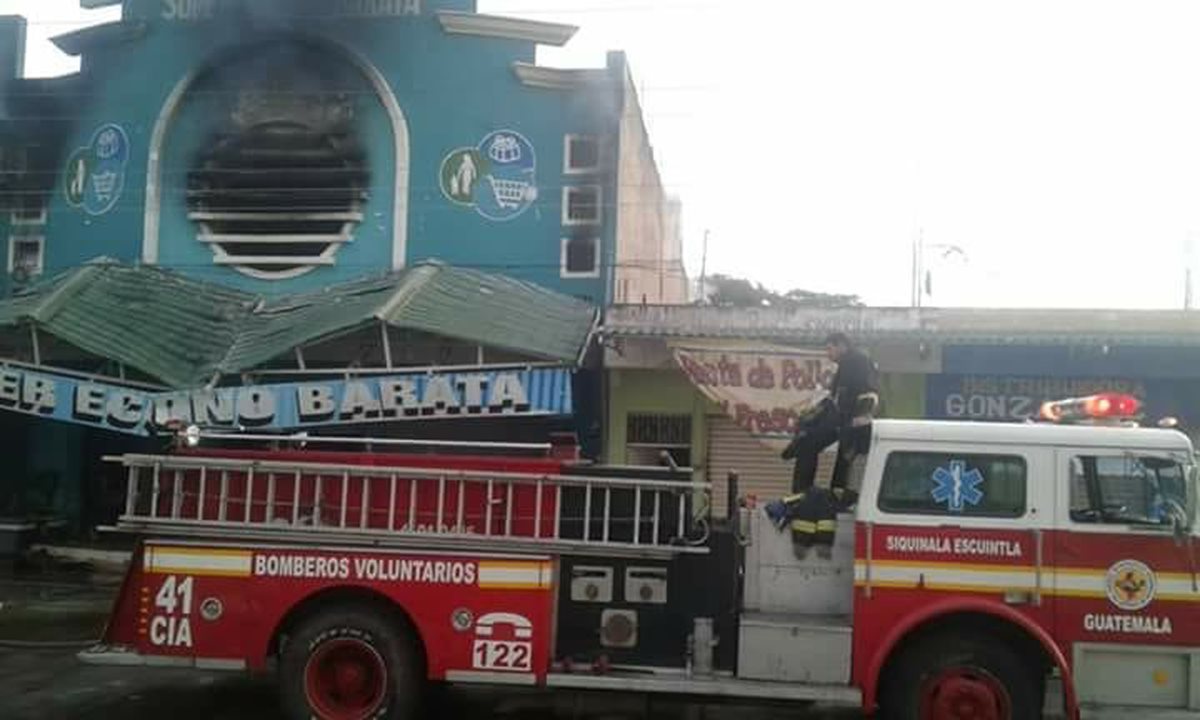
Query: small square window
point(581, 257)
point(648, 436)
point(14, 159)
point(25, 255)
point(582, 154)
point(29, 210)
point(581, 205)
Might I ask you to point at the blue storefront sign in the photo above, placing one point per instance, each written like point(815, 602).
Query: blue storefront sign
point(1019, 397)
point(399, 397)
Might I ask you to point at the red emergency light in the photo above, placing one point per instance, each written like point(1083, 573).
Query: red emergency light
point(1106, 406)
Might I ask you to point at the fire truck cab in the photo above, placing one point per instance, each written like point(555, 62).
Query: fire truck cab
point(987, 571)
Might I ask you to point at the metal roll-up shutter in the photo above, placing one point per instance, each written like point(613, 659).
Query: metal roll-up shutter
point(761, 472)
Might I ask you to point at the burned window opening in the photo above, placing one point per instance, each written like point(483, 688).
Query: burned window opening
point(278, 198)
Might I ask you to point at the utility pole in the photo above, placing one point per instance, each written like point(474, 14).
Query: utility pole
point(918, 244)
point(1187, 288)
point(1189, 255)
point(922, 278)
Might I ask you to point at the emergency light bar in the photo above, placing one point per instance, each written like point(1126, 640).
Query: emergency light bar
point(1106, 406)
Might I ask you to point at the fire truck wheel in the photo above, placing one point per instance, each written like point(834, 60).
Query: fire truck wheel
point(349, 663)
point(957, 678)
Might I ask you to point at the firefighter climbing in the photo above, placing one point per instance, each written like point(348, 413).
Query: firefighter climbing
point(844, 417)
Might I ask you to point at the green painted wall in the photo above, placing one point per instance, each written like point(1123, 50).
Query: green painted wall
point(653, 391)
point(903, 396)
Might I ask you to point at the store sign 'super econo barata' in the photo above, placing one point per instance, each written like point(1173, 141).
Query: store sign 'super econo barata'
point(404, 396)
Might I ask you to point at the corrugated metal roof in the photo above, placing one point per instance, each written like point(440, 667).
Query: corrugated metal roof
point(491, 310)
point(160, 323)
point(982, 326)
point(182, 331)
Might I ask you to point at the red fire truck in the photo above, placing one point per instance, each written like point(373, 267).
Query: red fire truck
point(987, 571)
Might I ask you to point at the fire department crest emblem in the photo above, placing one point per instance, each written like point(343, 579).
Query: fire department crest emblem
point(1130, 585)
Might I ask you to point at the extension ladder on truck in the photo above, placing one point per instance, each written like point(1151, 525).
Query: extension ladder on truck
point(432, 502)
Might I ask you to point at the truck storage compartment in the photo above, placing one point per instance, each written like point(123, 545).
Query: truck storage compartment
point(779, 582)
point(795, 648)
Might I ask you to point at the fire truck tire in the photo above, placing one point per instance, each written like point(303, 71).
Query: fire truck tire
point(350, 663)
point(947, 678)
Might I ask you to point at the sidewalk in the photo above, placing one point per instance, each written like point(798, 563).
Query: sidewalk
point(50, 600)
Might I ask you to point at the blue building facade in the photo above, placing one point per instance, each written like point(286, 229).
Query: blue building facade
point(280, 146)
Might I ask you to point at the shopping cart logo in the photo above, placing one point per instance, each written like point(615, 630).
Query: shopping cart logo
point(496, 178)
point(95, 174)
point(510, 194)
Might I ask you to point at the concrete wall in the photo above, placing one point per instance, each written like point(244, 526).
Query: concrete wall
point(649, 266)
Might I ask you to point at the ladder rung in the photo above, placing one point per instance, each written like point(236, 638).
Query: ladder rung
point(392, 505)
point(508, 511)
point(460, 520)
point(297, 490)
point(345, 499)
point(607, 511)
point(487, 510)
point(365, 504)
point(537, 511)
point(441, 504)
point(637, 516)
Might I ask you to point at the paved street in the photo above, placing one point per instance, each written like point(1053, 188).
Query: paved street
point(51, 685)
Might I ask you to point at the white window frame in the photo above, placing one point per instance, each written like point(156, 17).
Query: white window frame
point(594, 272)
point(567, 220)
point(16, 216)
point(40, 240)
point(569, 167)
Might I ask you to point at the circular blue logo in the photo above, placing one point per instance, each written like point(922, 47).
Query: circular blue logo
point(498, 177)
point(95, 176)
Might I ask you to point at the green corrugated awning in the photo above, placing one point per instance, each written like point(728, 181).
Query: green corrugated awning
point(480, 308)
point(183, 331)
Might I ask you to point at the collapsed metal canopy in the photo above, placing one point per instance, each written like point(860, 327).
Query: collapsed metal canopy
point(183, 331)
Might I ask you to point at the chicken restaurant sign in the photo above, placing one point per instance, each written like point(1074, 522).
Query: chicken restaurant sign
point(399, 397)
point(765, 390)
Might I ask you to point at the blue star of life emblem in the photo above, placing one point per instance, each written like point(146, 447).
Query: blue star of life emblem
point(957, 486)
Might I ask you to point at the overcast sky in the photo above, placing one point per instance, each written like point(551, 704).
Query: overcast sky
point(1056, 141)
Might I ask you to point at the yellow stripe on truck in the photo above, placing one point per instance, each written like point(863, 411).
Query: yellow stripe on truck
point(197, 561)
point(509, 575)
